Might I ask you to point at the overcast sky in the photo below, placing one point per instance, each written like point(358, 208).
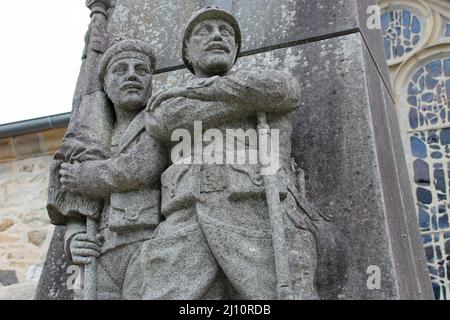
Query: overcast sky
point(40, 56)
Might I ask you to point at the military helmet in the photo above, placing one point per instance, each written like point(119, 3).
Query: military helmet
point(209, 12)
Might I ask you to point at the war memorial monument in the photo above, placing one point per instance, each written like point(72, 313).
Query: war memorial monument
point(232, 150)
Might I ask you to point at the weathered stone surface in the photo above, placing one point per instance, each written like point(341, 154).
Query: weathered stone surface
point(374, 41)
point(5, 224)
point(6, 149)
point(53, 282)
point(233, 232)
point(406, 244)
point(361, 180)
point(125, 182)
point(21, 291)
point(334, 141)
point(342, 135)
point(8, 277)
point(37, 237)
point(27, 145)
point(50, 140)
point(22, 212)
point(264, 24)
point(31, 145)
point(268, 24)
point(338, 155)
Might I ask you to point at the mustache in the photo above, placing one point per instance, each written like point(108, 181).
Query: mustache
point(132, 85)
point(218, 45)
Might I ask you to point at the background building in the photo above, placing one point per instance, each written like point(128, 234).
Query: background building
point(417, 44)
point(25, 229)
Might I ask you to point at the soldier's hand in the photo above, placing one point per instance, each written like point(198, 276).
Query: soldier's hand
point(84, 248)
point(155, 128)
point(70, 175)
point(156, 100)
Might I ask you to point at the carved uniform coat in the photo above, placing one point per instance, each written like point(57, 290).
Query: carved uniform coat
point(129, 184)
point(216, 240)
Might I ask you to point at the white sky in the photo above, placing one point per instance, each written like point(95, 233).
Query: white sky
point(40, 56)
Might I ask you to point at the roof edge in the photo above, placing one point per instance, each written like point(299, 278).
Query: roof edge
point(34, 125)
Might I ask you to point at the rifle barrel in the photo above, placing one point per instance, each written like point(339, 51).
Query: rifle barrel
point(284, 286)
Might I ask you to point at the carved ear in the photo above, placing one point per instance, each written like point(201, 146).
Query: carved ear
point(188, 57)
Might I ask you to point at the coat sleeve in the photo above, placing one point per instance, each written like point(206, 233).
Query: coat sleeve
point(222, 99)
point(181, 113)
point(139, 166)
point(268, 91)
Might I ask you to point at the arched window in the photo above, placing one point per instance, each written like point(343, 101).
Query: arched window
point(417, 46)
point(428, 101)
point(402, 32)
point(406, 26)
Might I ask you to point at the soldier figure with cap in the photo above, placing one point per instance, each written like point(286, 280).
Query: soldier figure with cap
point(216, 240)
point(127, 182)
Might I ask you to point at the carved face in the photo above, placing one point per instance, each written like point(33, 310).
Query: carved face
point(128, 83)
point(212, 48)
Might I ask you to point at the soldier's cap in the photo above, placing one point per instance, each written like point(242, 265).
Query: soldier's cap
point(206, 13)
point(129, 48)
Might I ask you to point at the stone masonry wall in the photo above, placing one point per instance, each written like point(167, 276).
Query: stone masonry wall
point(24, 225)
point(25, 230)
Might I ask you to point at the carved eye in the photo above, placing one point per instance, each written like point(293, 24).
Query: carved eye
point(202, 31)
point(225, 31)
point(142, 70)
point(120, 70)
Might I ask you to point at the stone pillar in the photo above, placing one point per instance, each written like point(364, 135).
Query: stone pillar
point(53, 282)
point(346, 134)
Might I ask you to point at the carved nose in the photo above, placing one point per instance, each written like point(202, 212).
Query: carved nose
point(132, 77)
point(217, 36)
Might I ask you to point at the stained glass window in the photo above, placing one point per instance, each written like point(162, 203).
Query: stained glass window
point(428, 97)
point(402, 31)
point(428, 94)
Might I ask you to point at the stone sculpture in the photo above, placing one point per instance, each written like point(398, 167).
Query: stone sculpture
point(216, 240)
point(126, 183)
point(88, 133)
point(222, 235)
